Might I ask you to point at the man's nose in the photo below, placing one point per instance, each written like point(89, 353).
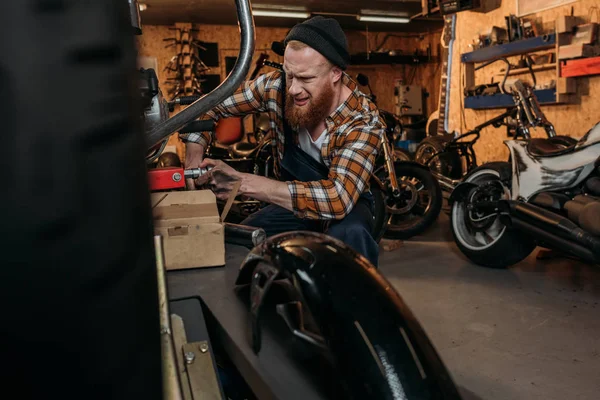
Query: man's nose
point(294, 88)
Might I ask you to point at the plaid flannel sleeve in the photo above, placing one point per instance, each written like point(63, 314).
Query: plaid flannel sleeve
point(349, 176)
point(250, 98)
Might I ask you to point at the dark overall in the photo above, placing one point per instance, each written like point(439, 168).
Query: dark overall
point(354, 229)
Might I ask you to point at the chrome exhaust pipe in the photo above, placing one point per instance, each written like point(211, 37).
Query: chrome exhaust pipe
point(551, 228)
point(445, 182)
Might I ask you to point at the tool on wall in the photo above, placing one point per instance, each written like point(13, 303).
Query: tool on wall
point(186, 64)
point(437, 123)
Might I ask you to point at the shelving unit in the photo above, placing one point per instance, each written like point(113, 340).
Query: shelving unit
point(525, 46)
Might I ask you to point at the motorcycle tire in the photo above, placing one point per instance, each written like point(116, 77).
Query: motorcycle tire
point(403, 226)
point(447, 163)
point(508, 247)
point(380, 216)
point(78, 283)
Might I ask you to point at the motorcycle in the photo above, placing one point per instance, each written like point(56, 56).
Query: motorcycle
point(451, 157)
point(412, 196)
point(548, 194)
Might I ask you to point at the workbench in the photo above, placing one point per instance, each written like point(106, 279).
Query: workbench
point(277, 372)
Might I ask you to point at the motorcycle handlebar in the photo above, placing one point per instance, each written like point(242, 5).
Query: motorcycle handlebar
point(198, 126)
point(233, 81)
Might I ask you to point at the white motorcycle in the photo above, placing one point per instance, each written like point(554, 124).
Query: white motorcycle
point(547, 195)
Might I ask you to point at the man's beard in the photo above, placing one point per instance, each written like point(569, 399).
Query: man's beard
point(311, 114)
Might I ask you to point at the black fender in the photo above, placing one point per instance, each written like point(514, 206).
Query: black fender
point(460, 192)
point(378, 347)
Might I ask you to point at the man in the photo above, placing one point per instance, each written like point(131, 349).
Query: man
point(328, 134)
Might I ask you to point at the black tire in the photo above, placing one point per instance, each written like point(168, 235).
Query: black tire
point(422, 214)
point(508, 247)
point(380, 216)
point(446, 163)
point(78, 284)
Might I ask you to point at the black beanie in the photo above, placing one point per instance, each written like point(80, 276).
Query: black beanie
point(326, 36)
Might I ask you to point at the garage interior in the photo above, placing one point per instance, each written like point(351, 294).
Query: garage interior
point(511, 311)
point(525, 332)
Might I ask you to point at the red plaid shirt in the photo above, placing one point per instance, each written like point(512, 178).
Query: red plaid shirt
point(353, 138)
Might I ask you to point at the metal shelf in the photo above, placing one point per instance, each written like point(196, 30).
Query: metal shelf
point(544, 96)
point(510, 49)
point(385, 58)
point(536, 68)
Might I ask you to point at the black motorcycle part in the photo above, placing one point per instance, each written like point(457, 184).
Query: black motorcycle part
point(550, 222)
point(433, 153)
point(198, 126)
point(593, 185)
point(554, 201)
point(244, 235)
point(378, 347)
point(148, 84)
point(78, 278)
point(574, 209)
point(589, 219)
point(549, 239)
point(418, 219)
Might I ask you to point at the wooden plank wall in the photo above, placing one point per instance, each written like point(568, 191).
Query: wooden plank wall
point(382, 77)
point(573, 119)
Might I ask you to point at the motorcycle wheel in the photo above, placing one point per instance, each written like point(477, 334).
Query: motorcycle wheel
point(446, 164)
point(483, 238)
point(418, 205)
point(380, 215)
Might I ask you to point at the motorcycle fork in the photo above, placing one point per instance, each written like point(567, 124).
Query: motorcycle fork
point(389, 166)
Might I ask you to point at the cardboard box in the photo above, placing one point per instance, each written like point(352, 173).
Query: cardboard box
point(577, 51)
point(584, 34)
point(565, 23)
point(191, 227)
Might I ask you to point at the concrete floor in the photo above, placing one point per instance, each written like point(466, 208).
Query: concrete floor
point(528, 332)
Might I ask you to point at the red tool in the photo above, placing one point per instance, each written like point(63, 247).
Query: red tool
point(172, 177)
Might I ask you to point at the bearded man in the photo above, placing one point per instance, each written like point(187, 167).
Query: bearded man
point(328, 135)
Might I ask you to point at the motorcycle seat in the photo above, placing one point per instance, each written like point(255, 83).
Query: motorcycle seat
point(554, 146)
point(243, 149)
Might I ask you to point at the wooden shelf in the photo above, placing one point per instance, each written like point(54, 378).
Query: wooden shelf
point(535, 68)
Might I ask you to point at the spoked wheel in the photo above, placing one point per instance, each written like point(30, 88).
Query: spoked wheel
point(477, 229)
point(417, 205)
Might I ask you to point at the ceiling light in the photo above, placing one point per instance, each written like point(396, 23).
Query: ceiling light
point(395, 20)
point(282, 14)
point(143, 6)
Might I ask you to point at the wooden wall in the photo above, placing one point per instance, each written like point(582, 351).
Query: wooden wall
point(382, 77)
point(573, 119)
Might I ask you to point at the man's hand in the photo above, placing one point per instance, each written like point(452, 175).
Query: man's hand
point(221, 177)
point(194, 153)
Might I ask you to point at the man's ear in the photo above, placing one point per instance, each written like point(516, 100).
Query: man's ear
point(336, 74)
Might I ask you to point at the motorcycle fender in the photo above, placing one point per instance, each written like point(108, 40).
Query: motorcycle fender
point(460, 191)
point(360, 316)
